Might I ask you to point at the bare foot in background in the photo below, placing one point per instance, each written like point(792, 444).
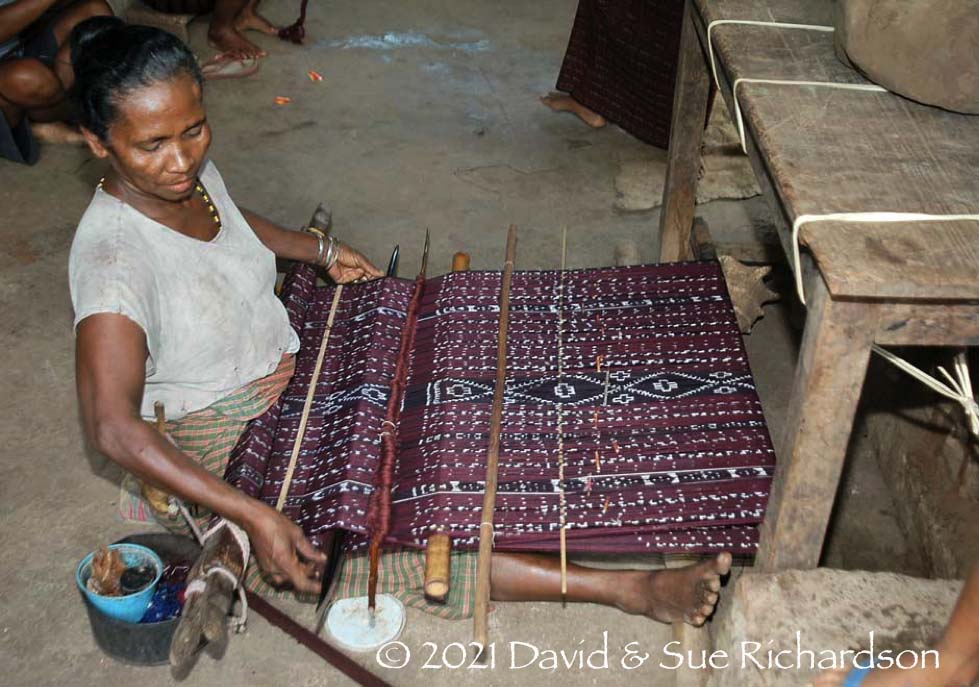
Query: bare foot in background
point(562, 102)
point(229, 20)
point(57, 132)
point(250, 20)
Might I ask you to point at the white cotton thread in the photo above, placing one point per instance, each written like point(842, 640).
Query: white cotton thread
point(749, 22)
point(959, 390)
point(873, 88)
point(239, 621)
point(492, 528)
point(877, 217)
point(198, 585)
point(195, 586)
point(859, 217)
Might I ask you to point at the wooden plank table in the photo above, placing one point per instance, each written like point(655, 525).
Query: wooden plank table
point(818, 150)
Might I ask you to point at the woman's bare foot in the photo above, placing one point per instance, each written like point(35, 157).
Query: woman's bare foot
point(688, 594)
point(562, 102)
point(226, 39)
point(57, 132)
point(250, 20)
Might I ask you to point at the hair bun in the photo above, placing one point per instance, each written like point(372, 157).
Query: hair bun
point(84, 37)
point(112, 59)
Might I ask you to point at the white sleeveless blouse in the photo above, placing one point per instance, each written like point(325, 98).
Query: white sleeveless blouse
point(208, 309)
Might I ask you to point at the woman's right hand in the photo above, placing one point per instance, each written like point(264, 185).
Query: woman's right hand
point(352, 266)
point(283, 552)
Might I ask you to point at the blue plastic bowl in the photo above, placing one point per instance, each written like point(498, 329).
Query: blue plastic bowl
point(129, 608)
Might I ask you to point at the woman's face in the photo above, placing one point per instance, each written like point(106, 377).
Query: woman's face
point(159, 140)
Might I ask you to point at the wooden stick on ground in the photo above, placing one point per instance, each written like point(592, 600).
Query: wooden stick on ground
point(484, 562)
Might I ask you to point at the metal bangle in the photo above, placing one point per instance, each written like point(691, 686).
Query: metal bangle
point(335, 248)
point(329, 253)
point(322, 238)
point(320, 247)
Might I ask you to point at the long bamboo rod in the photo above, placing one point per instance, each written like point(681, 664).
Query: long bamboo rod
point(484, 563)
point(310, 394)
point(560, 417)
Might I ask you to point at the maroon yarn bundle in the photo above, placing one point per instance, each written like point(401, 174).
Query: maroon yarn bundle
point(665, 444)
point(379, 504)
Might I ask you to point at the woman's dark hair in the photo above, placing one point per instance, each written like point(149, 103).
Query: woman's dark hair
point(111, 59)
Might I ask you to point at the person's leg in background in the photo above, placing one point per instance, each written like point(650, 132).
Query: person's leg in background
point(35, 87)
point(230, 19)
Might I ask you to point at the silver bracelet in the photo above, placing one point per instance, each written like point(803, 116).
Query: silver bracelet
point(320, 247)
point(320, 243)
point(332, 254)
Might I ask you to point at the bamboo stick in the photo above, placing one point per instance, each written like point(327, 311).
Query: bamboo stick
point(484, 562)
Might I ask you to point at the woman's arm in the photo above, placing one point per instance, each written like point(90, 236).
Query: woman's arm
point(110, 359)
point(304, 247)
point(21, 14)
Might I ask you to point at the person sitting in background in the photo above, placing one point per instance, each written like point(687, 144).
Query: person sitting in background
point(229, 20)
point(36, 73)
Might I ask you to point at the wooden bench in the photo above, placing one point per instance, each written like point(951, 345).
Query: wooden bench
point(819, 150)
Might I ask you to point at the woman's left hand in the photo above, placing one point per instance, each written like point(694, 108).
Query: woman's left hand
point(352, 266)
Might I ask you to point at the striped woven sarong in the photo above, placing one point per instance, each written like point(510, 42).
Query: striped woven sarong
point(401, 573)
point(621, 62)
point(208, 436)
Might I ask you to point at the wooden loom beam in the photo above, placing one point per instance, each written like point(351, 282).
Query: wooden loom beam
point(484, 562)
point(438, 550)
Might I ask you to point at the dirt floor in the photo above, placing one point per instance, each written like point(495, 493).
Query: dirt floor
point(427, 118)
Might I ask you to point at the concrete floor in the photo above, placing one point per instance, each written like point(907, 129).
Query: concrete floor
point(427, 117)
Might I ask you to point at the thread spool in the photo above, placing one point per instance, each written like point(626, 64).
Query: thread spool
point(438, 566)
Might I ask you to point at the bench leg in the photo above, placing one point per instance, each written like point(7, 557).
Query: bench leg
point(828, 378)
point(686, 136)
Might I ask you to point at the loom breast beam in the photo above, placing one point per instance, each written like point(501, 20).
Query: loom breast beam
point(460, 262)
point(484, 562)
point(438, 567)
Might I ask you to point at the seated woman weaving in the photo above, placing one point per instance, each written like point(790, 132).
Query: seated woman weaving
point(172, 286)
